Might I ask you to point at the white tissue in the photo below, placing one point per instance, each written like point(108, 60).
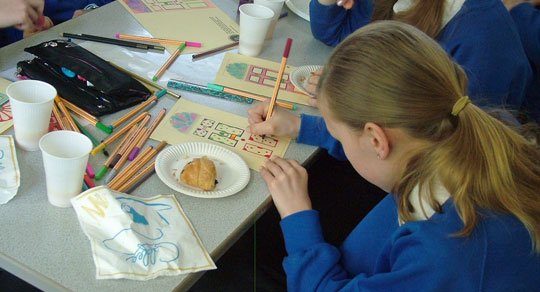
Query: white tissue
point(10, 176)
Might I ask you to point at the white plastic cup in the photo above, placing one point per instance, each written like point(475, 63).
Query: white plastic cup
point(276, 6)
point(65, 155)
point(254, 23)
point(31, 105)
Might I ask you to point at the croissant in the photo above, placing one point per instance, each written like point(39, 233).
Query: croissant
point(200, 173)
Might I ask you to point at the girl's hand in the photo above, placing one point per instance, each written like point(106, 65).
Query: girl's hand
point(287, 181)
point(311, 86)
point(46, 24)
point(282, 122)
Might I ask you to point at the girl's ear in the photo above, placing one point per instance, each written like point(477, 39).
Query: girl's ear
point(378, 139)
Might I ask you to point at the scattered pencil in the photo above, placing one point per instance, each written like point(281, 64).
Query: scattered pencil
point(213, 51)
point(151, 129)
point(152, 99)
point(117, 134)
point(278, 79)
point(157, 40)
point(136, 180)
point(249, 95)
point(111, 41)
point(169, 62)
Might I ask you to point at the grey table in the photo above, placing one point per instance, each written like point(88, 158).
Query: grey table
point(45, 246)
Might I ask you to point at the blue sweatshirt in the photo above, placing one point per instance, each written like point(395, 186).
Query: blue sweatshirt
point(527, 19)
point(57, 10)
point(380, 255)
point(481, 37)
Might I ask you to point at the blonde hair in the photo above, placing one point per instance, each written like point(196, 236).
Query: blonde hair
point(394, 75)
point(426, 15)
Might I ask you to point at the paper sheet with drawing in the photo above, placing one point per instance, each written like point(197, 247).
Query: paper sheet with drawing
point(186, 20)
point(188, 121)
point(139, 238)
point(6, 119)
point(257, 76)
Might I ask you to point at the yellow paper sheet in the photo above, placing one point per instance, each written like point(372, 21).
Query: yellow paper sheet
point(257, 76)
point(6, 120)
point(185, 20)
point(188, 121)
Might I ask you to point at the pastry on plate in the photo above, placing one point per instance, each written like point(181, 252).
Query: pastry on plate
point(200, 173)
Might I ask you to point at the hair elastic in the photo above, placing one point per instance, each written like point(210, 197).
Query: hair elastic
point(460, 105)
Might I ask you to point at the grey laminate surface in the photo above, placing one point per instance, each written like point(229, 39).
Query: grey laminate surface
point(45, 245)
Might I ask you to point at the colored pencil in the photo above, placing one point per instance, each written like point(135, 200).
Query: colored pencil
point(101, 172)
point(115, 136)
point(114, 183)
point(88, 117)
point(151, 129)
point(213, 51)
point(136, 180)
point(95, 142)
point(278, 79)
point(169, 62)
point(249, 95)
point(145, 81)
point(112, 41)
point(134, 111)
point(136, 165)
point(65, 113)
point(58, 116)
point(157, 40)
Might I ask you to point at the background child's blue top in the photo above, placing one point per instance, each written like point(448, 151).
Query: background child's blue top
point(57, 10)
point(481, 37)
point(380, 255)
point(527, 19)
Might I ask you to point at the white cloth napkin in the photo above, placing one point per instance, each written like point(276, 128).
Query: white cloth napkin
point(10, 176)
point(139, 238)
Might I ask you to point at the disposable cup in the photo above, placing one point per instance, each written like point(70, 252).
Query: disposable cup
point(276, 6)
point(65, 155)
point(254, 23)
point(31, 106)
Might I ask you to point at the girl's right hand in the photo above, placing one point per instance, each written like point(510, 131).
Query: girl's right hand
point(311, 85)
point(282, 122)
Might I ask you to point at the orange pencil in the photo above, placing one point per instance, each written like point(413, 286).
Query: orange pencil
point(157, 40)
point(151, 129)
point(68, 120)
point(138, 178)
point(115, 136)
point(134, 111)
point(169, 62)
point(278, 79)
point(115, 182)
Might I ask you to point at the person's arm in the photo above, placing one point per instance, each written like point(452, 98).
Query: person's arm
point(527, 19)
point(313, 131)
point(331, 23)
point(396, 262)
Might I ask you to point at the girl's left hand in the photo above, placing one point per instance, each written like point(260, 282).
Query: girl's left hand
point(347, 4)
point(287, 181)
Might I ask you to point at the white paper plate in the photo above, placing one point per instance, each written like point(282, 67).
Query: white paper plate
point(232, 171)
point(300, 75)
point(299, 7)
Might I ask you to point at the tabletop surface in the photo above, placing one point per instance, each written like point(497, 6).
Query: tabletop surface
point(45, 246)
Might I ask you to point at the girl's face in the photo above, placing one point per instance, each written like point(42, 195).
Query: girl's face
point(360, 150)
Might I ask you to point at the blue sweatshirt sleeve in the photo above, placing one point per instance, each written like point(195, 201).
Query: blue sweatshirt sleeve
point(527, 19)
point(314, 265)
point(313, 131)
point(331, 23)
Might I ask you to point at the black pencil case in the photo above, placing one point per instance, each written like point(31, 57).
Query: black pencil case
point(82, 78)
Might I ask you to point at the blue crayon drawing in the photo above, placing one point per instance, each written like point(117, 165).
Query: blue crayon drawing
point(136, 245)
point(2, 157)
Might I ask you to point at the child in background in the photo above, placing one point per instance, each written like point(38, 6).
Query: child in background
point(22, 14)
point(463, 209)
point(527, 19)
point(478, 34)
point(56, 12)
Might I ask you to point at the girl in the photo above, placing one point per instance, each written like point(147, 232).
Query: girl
point(479, 34)
point(463, 213)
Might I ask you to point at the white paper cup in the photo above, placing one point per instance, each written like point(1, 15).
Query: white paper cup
point(31, 105)
point(254, 23)
point(276, 6)
point(65, 155)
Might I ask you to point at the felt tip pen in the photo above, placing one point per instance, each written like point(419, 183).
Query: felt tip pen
point(112, 41)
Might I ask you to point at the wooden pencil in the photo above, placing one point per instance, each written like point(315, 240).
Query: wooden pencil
point(117, 134)
point(214, 51)
point(146, 81)
point(151, 129)
point(157, 40)
point(138, 178)
point(134, 111)
point(58, 116)
point(278, 79)
point(169, 62)
point(116, 181)
point(63, 110)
